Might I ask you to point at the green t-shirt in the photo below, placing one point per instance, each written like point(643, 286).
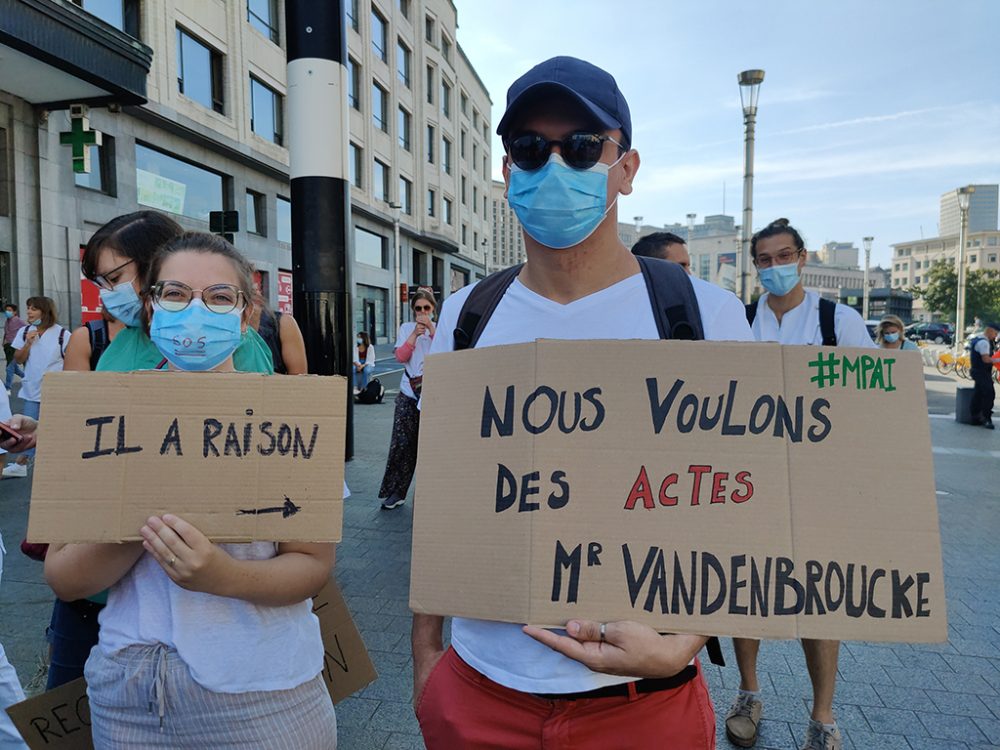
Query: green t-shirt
point(132, 350)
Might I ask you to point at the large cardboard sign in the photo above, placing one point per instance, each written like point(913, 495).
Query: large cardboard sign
point(243, 457)
point(346, 665)
point(56, 720)
point(714, 488)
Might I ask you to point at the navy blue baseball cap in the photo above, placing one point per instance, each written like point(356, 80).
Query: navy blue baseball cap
point(594, 89)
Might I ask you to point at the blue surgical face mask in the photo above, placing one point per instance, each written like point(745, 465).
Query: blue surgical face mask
point(123, 303)
point(196, 338)
point(559, 206)
point(890, 338)
point(9, 313)
point(780, 280)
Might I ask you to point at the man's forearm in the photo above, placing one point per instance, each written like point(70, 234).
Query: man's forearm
point(426, 635)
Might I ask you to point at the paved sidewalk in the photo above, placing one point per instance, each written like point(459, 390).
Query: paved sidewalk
point(911, 697)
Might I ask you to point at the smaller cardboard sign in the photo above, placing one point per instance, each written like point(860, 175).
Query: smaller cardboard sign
point(241, 456)
point(56, 720)
point(346, 665)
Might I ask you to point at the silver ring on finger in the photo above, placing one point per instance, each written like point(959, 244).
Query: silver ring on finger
point(604, 627)
point(173, 559)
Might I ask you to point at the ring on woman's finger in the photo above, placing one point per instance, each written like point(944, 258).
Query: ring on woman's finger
point(604, 626)
point(174, 559)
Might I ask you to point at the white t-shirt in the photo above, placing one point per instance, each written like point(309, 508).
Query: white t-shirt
point(230, 645)
point(369, 356)
point(500, 650)
point(415, 367)
point(800, 325)
point(45, 355)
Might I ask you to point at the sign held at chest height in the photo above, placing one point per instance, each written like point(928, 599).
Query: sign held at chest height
point(243, 457)
point(712, 488)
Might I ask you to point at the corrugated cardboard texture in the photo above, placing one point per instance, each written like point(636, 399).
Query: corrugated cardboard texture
point(827, 545)
point(346, 665)
point(56, 720)
point(257, 458)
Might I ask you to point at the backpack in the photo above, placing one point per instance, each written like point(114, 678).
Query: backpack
point(675, 309)
point(827, 314)
point(371, 393)
point(269, 330)
point(97, 330)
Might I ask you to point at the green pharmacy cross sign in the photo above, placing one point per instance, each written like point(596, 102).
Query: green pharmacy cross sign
point(81, 138)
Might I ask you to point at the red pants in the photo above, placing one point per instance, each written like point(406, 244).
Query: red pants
point(461, 709)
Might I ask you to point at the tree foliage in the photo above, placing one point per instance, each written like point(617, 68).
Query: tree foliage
point(940, 294)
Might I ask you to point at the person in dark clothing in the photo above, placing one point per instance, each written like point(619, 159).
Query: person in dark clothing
point(982, 353)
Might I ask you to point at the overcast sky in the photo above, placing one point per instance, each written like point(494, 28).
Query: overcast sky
point(870, 109)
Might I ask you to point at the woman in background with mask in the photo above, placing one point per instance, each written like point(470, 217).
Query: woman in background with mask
point(889, 334)
point(186, 657)
point(364, 362)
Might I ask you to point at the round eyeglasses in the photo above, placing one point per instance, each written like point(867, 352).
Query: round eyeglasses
point(174, 296)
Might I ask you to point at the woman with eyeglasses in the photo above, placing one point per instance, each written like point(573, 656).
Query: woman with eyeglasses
point(412, 344)
point(202, 644)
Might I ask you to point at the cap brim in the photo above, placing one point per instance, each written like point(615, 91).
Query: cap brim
point(536, 91)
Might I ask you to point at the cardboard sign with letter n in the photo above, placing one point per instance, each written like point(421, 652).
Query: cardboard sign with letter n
point(243, 457)
point(697, 487)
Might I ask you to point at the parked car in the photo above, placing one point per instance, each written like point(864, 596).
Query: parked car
point(939, 333)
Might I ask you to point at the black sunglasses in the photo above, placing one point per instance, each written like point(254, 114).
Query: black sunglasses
point(578, 150)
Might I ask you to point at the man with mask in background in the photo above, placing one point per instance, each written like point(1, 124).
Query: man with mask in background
point(567, 135)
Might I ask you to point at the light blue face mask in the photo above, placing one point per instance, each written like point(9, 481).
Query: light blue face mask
point(9, 313)
point(780, 280)
point(559, 206)
point(123, 303)
point(195, 338)
point(890, 338)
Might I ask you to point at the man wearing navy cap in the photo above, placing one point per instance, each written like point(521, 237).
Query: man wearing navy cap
point(567, 134)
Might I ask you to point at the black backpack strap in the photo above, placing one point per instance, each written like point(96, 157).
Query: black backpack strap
point(62, 345)
point(97, 330)
point(671, 294)
point(751, 313)
point(827, 314)
point(479, 306)
point(714, 649)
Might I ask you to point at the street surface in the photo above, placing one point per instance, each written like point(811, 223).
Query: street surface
point(911, 697)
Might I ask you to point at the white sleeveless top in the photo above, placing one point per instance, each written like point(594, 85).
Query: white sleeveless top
point(230, 645)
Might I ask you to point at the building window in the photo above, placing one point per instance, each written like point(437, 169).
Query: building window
point(446, 202)
point(122, 14)
point(445, 48)
point(430, 84)
point(199, 71)
point(464, 103)
point(430, 144)
point(380, 103)
point(461, 143)
point(284, 219)
point(4, 179)
point(475, 198)
point(170, 184)
point(370, 248)
point(431, 201)
point(102, 168)
point(265, 111)
point(486, 131)
point(404, 8)
point(972, 259)
point(356, 165)
point(464, 186)
point(354, 84)
point(404, 126)
point(403, 61)
point(351, 9)
point(486, 167)
point(406, 196)
point(992, 258)
point(445, 98)
point(378, 36)
point(916, 280)
point(429, 29)
point(446, 155)
point(475, 155)
point(380, 182)
point(256, 218)
point(263, 16)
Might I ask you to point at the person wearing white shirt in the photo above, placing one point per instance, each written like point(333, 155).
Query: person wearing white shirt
point(364, 361)
point(40, 346)
point(788, 313)
point(567, 133)
point(413, 342)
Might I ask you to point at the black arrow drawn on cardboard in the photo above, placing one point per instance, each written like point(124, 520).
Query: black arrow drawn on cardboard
point(287, 510)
